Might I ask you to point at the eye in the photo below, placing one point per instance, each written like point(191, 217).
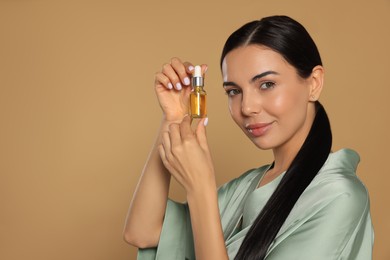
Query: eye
point(267, 85)
point(232, 92)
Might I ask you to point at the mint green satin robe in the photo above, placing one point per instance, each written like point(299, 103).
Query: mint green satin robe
point(331, 219)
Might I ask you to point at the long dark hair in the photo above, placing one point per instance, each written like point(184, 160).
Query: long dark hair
point(290, 39)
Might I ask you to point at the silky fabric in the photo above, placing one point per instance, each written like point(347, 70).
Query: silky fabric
point(331, 219)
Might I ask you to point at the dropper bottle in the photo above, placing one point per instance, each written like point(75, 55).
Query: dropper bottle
point(198, 95)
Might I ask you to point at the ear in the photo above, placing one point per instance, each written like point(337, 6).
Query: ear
point(316, 83)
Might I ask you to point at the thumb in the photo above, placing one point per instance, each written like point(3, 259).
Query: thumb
point(201, 132)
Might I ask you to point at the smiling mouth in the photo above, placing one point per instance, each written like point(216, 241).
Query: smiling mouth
point(257, 130)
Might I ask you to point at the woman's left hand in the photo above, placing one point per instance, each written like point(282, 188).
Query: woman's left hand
point(185, 154)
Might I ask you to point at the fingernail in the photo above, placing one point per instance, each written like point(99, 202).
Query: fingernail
point(178, 86)
point(170, 85)
point(191, 68)
point(206, 121)
point(186, 81)
point(207, 67)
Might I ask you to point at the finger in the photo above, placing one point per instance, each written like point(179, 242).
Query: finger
point(201, 133)
point(189, 67)
point(168, 155)
point(180, 69)
point(169, 72)
point(166, 143)
point(163, 80)
point(174, 136)
point(185, 128)
point(204, 69)
point(164, 159)
point(161, 151)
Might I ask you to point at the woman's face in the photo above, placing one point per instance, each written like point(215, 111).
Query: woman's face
point(268, 100)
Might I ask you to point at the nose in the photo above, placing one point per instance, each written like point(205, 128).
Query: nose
point(250, 104)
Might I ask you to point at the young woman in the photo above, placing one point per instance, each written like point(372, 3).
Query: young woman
point(307, 204)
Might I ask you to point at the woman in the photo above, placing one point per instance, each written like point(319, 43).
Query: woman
point(307, 204)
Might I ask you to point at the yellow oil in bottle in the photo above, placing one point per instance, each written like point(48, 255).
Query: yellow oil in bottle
point(198, 103)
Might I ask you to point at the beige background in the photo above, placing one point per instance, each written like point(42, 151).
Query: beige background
point(78, 113)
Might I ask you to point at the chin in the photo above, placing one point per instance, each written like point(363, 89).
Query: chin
point(262, 145)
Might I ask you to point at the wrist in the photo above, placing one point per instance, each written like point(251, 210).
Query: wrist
point(202, 194)
point(165, 123)
point(177, 119)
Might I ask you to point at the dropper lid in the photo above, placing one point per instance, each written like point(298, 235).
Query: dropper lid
point(197, 79)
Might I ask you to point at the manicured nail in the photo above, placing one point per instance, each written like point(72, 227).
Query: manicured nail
point(178, 86)
point(191, 68)
point(206, 121)
point(207, 67)
point(186, 81)
point(170, 85)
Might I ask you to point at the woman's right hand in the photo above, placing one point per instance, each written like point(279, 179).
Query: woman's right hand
point(173, 88)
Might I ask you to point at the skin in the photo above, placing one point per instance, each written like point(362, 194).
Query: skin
point(281, 99)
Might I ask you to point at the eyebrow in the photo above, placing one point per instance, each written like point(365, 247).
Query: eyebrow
point(258, 76)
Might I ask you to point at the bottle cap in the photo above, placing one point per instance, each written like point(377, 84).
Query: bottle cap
point(197, 79)
point(198, 71)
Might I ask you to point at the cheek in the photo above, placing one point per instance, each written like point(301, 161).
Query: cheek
point(287, 102)
point(279, 104)
point(235, 109)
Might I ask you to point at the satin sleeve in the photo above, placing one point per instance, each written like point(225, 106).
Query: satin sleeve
point(176, 239)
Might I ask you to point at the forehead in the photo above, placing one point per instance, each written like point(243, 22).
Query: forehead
point(247, 61)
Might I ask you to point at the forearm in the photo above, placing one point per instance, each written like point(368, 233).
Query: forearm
point(206, 224)
point(147, 208)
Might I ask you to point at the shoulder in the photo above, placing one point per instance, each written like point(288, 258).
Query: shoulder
point(337, 185)
point(338, 176)
point(332, 214)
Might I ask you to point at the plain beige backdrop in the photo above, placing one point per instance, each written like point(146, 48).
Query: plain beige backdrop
point(78, 112)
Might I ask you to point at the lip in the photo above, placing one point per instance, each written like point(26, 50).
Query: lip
point(258, 129)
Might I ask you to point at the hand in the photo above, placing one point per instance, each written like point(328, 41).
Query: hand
point(186, 155)
point(172, 86)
